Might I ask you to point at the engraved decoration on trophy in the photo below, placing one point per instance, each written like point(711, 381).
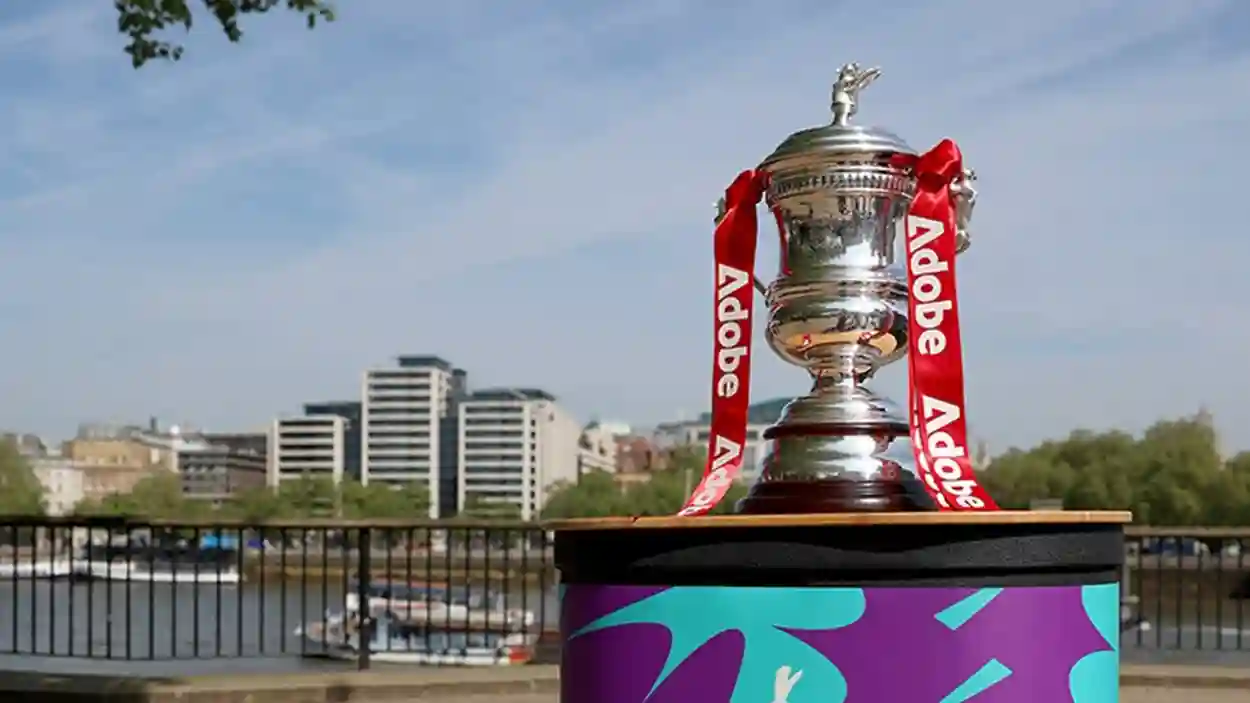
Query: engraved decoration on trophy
point(864, 219)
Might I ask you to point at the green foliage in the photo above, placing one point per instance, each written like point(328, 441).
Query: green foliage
point(1172, 475)
point(157, 496)
point(160, 497)
point(598, 494)
point(20, 491)
point(141, 20)
point(380, 500)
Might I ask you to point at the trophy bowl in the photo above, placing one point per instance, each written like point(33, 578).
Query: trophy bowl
point(839, 309)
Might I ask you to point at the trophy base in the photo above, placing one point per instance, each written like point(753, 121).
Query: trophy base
point(831, 496)
point(837, 468)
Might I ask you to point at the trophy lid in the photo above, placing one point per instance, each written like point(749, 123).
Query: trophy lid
point(841, 138)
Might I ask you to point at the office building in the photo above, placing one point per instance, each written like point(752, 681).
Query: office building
point(311, 445)
point(350, 411)
point(514, 444)
point(244, 442)
point(215, 472)
point(402, 411)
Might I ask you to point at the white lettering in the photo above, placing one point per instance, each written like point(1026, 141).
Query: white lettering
point(926, 288)
point(725, 453)
point(729, 280)
point(946, 414)
point(946, 475)
point(921, 232)
point(924, 265)
point(942, 461)
point(733, 325)
point(932, 342)
point(925, 262)
point(730, 308)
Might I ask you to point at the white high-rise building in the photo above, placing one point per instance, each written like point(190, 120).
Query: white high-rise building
point(515, 443)
point(310, 445)
point(401, 411)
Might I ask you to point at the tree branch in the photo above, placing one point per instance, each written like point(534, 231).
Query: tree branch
point(142, 20)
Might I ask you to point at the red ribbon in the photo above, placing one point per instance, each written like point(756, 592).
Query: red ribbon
point(935, 368)
point(935, 349)
point(731, 365)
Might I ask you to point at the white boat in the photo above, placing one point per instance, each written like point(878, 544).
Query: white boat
point(156, 573)
point(143, 561)
point(38, 569)
point(457, 608)
point(396, 642)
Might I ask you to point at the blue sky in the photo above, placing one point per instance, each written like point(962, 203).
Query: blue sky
point(527, 191)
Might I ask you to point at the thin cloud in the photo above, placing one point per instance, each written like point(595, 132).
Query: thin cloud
point(529, 194)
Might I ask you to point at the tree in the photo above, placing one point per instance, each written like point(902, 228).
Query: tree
point(259, 504)
point(385, 501)
point(155, 497)
point(142, 20)
point(1172, 474)
point(21, 493)
point(479, 508)
point(311, 496)
point(595, 494)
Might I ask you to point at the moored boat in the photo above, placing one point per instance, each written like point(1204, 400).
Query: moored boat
point(392, 640)
point(447, 608)
point(143, 561)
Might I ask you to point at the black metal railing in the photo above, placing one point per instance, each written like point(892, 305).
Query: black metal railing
point(408, 592)
point(1186, 589)
point(428, 592)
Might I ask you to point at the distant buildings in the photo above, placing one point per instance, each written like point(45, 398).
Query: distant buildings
point(114, 461)
point(402, 410)
point(638, 455)
point(351, 411)
point(598, 447)
point(514, 444)
point(307, 446)
point(211, 467)
point(695, 433)
point(28, 445)
point(215, 472)
point(62, 484)
point(417, 421)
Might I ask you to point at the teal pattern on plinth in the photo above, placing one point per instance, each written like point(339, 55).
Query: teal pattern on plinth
point(701, 644)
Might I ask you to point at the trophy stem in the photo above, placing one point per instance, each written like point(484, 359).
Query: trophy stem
point(841, 448)
point(836, 382)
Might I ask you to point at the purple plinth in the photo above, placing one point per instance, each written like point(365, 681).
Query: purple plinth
point(630, 644)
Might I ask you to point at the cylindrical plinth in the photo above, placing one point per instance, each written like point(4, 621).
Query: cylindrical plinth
point(1006, 607)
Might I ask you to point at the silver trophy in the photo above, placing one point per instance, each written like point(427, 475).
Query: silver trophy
point(839, 310)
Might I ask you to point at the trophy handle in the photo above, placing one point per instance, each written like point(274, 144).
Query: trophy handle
point(720, 215)
point(964, 196)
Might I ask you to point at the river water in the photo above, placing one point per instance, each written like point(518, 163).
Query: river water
point(180, 629)
point(184, 629)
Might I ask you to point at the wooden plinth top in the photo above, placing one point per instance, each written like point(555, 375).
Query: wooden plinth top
point(990, 517)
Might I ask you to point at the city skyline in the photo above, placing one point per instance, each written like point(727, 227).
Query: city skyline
point(214, 239)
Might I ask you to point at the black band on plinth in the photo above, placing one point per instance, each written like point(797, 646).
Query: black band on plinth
point(861, 555)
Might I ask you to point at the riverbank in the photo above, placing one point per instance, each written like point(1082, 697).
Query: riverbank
point(256, 571)
point(534, 570)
